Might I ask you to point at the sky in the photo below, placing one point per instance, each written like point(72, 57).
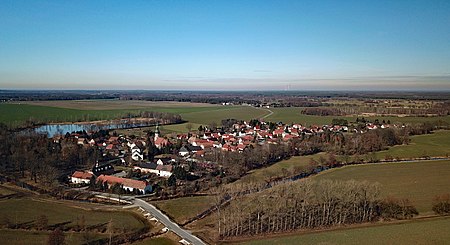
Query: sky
point(225, 45)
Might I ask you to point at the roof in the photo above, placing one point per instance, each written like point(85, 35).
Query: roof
point(161, 141)
point(138, 184)
point(167, 168)
point(183, 149)
point(147, 165)
point(82, 175)
point(105, 168)
point(194, 148)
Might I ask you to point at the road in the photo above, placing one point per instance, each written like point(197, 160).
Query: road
point(268, 115)
point(186, 235)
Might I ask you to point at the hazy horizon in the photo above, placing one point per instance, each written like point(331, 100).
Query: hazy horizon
point(225, 45)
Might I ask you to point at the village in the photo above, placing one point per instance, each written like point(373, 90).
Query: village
point(142, 165)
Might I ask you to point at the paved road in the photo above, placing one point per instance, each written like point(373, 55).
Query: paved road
point(186, 235)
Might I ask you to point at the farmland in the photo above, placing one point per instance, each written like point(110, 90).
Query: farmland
point(420, 182)
point(292, 114)
point(196, 113)
point(429, 231)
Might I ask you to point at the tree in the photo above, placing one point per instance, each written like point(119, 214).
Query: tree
point(42, 222)
point(56, 237)
point(172, 181)
point(81, 223)
point(189, 127)
point(110, 230)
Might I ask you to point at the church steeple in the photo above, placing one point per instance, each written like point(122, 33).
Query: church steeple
point(157, 132)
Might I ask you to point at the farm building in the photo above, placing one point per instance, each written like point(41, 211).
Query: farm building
point(127, 184)
point(81, 177)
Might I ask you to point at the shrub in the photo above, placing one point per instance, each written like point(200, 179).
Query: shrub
point(393, 208)
point(441, 204)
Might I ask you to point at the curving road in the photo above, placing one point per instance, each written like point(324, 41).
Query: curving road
point(186, 235)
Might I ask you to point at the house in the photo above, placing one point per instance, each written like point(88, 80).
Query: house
point(164, 170)
point(82, 141)
point(160, 170)
point(127, 184)
point(193, 149)
point(103, 169)
point(80, 177)
point(161, 142)
point(165, 161)
point(148, 167)
point(136, 153)
point(183, 151)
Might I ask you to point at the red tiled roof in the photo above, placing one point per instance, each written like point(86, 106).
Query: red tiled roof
point(161, 141)
point(124, 181)
point(82, 175)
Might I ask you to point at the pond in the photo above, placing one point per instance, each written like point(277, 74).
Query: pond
point(61, 129)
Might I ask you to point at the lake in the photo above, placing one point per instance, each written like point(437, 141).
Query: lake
point(61, 129)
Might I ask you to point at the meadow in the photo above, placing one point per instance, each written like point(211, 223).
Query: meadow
point(185, 208)
point(418, 181)
point(23, 211)
point(430, 145)
point(20, 237)
point(279, 169)
point(427, 231)
point(292, 114)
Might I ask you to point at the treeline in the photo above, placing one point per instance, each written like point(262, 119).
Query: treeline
point(18, 95)
point(307, 205)
point(164, 117)
point(439, 109)
point(323, 111)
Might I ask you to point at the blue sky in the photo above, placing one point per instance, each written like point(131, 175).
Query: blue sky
point(225, 45)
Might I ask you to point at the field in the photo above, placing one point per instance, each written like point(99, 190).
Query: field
point(196, 113)
point(420, 182)
point(118, 104)
point(182, 209)
point(20, 237)
point(292, 114)
point(23, 211)
point(277, 169)
point(429, 231)
point(436, 144)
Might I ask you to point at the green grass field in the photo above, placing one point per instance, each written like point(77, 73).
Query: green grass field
point(436, 144)
point(292, 114)
point(279, 168)
point(430, 231)
point(217, 115)
point(420, 182)
point(182, 209)
point(24, 210)
point(20, 237)
point(196, 113)
point(17, 114)
point(157, 240)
